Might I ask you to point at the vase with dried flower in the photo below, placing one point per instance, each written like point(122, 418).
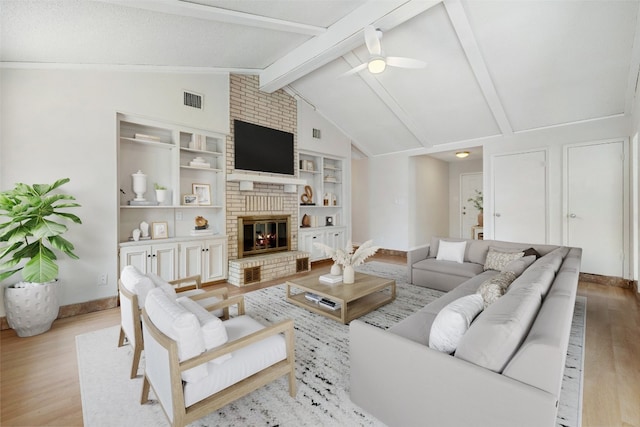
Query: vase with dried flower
point(349, 258)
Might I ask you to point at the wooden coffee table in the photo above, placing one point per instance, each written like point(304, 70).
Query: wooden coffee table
point(356, 299)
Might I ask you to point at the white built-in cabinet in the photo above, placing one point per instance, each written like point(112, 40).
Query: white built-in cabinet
point(175, 157)
point(324, 176)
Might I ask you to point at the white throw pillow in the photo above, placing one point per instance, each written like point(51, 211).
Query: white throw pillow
point(451, 251)
point(213, 330)
point(452, 322)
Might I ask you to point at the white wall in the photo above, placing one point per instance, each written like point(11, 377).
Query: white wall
point(429, 199)
point(456, 168)
point(62, 123)
point(360, 200)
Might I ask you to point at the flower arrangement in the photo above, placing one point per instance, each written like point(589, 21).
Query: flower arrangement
point(477, 201)
point(347, 256)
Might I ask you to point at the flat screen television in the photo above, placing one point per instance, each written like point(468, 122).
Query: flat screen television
point(262, 149)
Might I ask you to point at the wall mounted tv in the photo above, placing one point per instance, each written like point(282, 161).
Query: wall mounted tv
point(262, 149)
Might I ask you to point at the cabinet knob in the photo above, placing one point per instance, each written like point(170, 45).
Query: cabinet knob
point(572, 215)
point(497, 215)
point(149, 256)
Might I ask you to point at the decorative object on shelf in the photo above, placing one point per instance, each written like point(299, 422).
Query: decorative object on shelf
point(336, 270)
point(307, 197)
point(144, 137)
point(307, 165)
point(306, 221)
point(201, 223)
point(189, 199)
point(203, 191)
point(159, 230)
point(349, 258)
point(161, 193)
point(199, 162)
point(135, 234)
point(328, 221)
point(32, 235)
point(139, 185)
point(325, 200)
point(198, 142)
point(331, 179)
point(477, 202)
point(144, 229)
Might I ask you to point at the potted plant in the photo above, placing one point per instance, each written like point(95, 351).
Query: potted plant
point(161, 193)
point(477, 202)
point(30, 238)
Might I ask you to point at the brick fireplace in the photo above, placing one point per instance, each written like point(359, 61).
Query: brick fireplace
point(276, 110)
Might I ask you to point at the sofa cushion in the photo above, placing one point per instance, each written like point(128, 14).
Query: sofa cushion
point(136, 282)
point(497, 258)
point(519, 265)
point(181, 326)
point(466, 269)
point(451, 251)
point(452, 322)
point(499, 330)
point(496, 286)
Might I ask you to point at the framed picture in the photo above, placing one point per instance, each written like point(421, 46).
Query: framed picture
point(159, 230)
point(190, 199)
point(203, 192)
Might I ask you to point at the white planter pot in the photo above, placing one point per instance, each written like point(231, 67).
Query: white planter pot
point(348, 275)
point(31, 307)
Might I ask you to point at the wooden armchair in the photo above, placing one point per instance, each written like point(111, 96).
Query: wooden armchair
point(257, 356)
point(130, 309)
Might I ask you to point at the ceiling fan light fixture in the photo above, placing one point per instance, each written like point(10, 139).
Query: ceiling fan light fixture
point(376, 65)
point(462, 154)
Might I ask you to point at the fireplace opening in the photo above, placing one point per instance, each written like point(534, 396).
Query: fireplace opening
point(263, 234)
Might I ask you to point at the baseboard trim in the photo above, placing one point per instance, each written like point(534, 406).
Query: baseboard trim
point(617, 282)
point(76, 309)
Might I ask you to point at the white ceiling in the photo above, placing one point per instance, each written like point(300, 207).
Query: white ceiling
point(494, 67)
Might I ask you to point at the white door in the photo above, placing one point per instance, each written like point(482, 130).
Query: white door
point(520, 197)
point(138, 256)
point(191, 256)
point(594, 201)
point(470, 184)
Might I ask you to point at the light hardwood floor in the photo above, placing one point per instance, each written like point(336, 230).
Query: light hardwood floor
point(39, 378)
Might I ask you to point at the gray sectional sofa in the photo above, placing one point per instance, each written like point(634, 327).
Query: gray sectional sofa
point(508, 366)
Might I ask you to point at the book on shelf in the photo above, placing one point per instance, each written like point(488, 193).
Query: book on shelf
point(330, 278)
point(205, 232)
point(146, 137)
point(332, 305)
point(312, 297)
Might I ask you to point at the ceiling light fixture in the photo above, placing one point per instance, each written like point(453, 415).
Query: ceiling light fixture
point(462, 154)
point(376, 65)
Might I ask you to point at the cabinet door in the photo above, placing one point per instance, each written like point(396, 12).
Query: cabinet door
point(335, 238)
point(306, 242)
point(164, 260)
point(138, 256)
point(191, 258)
point(214, 260)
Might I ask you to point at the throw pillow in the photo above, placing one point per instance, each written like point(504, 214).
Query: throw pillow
point(493, 288)
point(497, 259)
point(452, 322)
point(532, 251)
point(213, 330)
point(451, 251)
point(518, 266)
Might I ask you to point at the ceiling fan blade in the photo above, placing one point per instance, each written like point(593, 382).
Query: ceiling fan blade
point(397, 61)
point(372, 40)
point(354, 70)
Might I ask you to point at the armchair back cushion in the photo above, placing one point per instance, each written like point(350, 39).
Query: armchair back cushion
point(136, 283)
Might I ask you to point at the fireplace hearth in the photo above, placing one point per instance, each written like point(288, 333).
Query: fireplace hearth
point(263, 234)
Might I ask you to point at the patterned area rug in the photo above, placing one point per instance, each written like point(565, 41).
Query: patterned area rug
point(110, 398)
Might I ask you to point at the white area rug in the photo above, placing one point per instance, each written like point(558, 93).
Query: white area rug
point(110, 398)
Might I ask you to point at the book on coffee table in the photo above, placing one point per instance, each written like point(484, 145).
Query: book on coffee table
point(330, 279)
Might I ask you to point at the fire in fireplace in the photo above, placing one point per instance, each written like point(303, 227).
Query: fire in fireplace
point(263, 234)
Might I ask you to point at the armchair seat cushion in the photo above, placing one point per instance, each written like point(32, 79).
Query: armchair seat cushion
point(244, 363)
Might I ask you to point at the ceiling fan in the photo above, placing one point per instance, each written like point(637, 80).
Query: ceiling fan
point(377, 62)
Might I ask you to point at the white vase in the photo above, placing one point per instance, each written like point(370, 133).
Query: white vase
point(348, 275)
point(161, 196)
point(31, 307)
point(144, 229)
point(139, 185)
point(335, 269)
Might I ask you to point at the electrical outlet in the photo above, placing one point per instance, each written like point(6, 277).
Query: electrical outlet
point(103, 279)
point(178, 215)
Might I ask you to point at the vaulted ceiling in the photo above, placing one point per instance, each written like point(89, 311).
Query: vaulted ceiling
point(493, 67)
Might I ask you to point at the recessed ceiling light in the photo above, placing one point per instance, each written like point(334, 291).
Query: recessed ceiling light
point(462, 154)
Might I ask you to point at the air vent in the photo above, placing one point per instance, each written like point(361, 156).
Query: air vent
point(191, 99)
point(302, 264)
point(251, 275)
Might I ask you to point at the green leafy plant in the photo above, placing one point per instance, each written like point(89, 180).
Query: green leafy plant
point(31, 233)
point(477, 200)
point(159, 187)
